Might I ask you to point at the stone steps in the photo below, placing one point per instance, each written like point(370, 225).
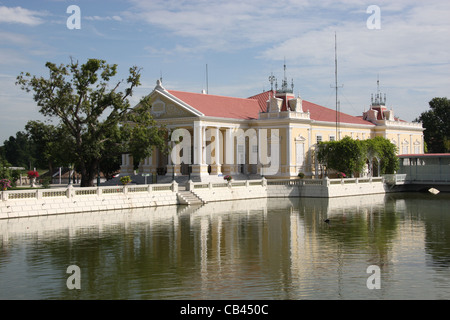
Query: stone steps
point(190, 198)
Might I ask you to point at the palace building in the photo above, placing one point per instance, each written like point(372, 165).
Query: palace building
point(271, 134)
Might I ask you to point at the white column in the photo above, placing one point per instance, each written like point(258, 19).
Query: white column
point(422, 146)
point(217, 146)
point(203, 160)
point(229, 156)
point(411, 146)
point(169, 158)
point(288, 150)
point(197, 143)
point(146, 165)
point(198, 168)
point(309, 153)
point(127, 164)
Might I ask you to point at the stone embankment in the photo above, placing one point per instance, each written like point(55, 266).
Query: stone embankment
point(39, 202)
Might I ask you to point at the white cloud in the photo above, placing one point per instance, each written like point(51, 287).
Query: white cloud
point(107, 18)
point(223, 25)
point(20, 15)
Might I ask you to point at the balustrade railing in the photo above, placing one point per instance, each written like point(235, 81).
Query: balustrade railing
point(73, 192)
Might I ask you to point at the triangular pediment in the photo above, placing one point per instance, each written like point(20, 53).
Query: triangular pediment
point(167, 106)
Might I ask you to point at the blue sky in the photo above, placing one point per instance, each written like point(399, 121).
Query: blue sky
point(242, 42)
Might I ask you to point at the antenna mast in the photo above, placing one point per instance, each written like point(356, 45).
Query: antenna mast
point(336, 87)
point(207, 90)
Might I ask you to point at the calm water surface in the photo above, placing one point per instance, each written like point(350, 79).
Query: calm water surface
point(256, 249)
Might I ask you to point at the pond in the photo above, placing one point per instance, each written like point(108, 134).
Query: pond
point(393, 246)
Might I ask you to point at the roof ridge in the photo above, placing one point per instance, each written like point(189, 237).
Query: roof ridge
point(207, 94)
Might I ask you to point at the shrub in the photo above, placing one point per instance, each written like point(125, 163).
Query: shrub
point(5, 184)
point(125, 180)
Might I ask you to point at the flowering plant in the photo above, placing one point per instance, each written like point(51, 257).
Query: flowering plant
point(33, 174)
point(341, 175)
point(125, 179)
point(228, 178)
point(5, 184)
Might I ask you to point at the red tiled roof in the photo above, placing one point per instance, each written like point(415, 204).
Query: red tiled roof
point(220, 106)
point(317, 112)
point(239, 108)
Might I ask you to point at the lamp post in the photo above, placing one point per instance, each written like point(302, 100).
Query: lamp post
point(98, 175)
point(70, 175)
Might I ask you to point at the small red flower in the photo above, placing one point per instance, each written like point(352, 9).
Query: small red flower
point(33, 174)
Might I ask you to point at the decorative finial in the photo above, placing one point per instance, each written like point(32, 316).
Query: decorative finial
point(159, 84)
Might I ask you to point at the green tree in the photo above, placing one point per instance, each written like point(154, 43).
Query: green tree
point(94, 113)
point(436, 122)
point(52, 144)
point(346, 155)
point(4, 171)
point(19, 151)
point(387, 153)
point(349, 156)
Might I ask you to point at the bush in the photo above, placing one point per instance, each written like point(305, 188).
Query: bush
point(349, 156)
point(5, 184)
point(46, 182)
point(125, 180)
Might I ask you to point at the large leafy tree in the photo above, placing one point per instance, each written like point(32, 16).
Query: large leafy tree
point(19, 151)
point(436, 122)
point(386, 152)
point(349, 156)
point(95, 113)
point(4, 165)
point(345, 155)
point(51, 143)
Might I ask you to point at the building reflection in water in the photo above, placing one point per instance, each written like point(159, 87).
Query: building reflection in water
point(255, 249)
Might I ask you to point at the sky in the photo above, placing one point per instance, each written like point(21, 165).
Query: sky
point(232, 47)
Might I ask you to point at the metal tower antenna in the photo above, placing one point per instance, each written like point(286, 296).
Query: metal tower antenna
point(207, 89)
point(336, 87)
point(272, 79)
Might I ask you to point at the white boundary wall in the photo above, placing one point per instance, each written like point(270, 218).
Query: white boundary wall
point(28, 203)
point(271, 188)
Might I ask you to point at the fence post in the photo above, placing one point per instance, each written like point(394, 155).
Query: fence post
point(189, 185)
point(70, 191)
point(174, 186)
